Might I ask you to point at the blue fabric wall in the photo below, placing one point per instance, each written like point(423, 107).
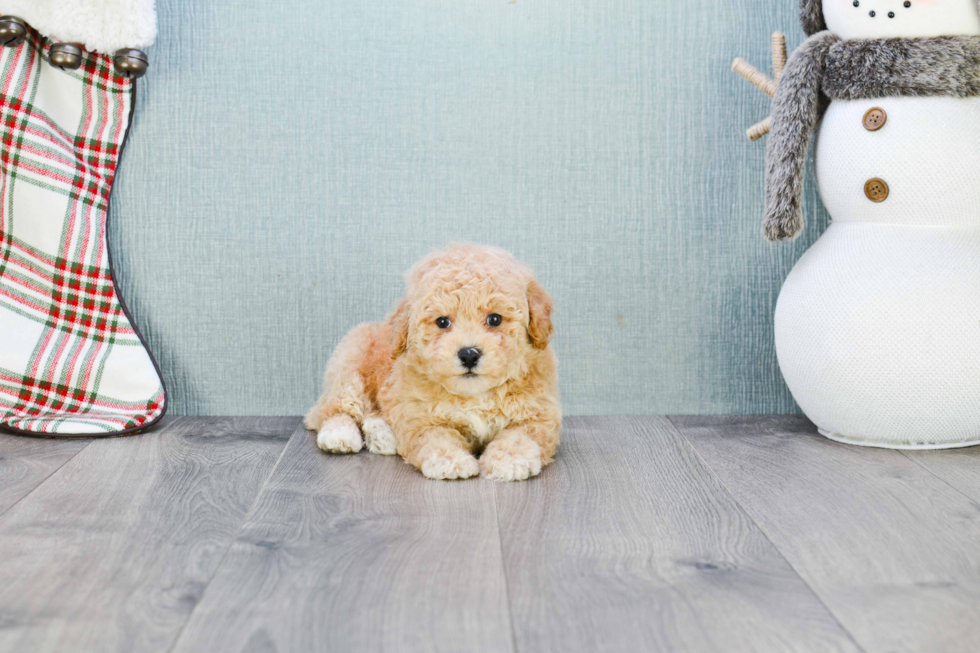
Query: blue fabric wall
point(289, 161)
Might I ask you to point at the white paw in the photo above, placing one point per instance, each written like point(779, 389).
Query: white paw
point(511, 464)
point(378, 436)
point(340, 434)
point(450, 466)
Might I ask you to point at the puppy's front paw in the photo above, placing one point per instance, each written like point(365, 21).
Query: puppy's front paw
point(511, 459)
point(450, 465)
point(378, 437)
point(340, 434)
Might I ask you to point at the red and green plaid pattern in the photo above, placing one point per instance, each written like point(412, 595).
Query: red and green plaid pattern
point(71, 362)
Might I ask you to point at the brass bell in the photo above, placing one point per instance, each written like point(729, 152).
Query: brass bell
point(66, 56)
point(12, 31)
point(130, 63)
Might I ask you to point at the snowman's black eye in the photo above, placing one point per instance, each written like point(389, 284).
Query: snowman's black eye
point(444, 322)
point(494, 320)
point(857, 3)
point(907, 4)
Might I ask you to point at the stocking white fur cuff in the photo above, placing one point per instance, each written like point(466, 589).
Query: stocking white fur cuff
point(99, 25)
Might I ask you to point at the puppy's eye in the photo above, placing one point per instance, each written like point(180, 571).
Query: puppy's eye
point(494, 320)
point(444, 322)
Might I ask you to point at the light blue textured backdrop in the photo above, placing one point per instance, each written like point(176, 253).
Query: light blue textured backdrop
point(289, 160)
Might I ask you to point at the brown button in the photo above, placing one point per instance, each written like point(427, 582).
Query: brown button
point(875, 119)
point(876, 190)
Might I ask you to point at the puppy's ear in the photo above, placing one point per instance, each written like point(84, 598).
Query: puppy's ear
point(398, 327)
point(539, 303)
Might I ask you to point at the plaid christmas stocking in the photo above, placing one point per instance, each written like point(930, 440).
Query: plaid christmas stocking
point(71, 362)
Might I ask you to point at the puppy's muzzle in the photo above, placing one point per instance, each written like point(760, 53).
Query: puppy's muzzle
point(469, 357)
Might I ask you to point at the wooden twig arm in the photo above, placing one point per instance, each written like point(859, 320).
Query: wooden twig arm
point(762, 81)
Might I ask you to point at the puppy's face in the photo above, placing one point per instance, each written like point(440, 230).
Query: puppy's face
point(473, 317)
point(471, 340)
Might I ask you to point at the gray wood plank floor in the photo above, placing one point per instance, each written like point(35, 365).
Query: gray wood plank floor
point(632, 545)
point(647, 534)
point(358, 553)
point(892, 549)
point(112, 551)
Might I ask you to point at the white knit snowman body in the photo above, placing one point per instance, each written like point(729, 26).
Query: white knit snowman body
point(878, 325)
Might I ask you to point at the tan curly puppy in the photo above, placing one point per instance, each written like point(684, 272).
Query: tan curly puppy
point(462, 368)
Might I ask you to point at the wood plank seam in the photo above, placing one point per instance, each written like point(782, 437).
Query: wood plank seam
point(833, 615)
point(503, 573)
point(932, 473)
point(231, 542)
point(46, 478)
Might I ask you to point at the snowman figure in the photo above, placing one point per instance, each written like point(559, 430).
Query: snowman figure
point(878, 325)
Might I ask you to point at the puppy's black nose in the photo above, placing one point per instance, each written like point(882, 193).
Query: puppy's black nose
point(469, 357)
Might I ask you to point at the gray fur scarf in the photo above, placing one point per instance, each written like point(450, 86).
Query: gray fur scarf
point(828, 67)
